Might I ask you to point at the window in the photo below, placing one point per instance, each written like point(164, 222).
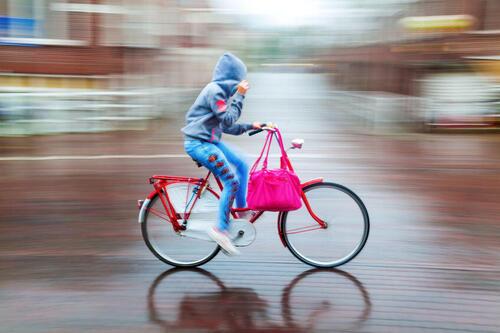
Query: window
point(17, 19)
point(134, 23)
point(22, 20)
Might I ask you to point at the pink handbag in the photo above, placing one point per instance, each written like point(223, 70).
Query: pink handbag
point(273, 190)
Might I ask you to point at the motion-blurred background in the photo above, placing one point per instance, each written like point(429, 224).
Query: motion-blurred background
point(79, 66)
point(397, 99)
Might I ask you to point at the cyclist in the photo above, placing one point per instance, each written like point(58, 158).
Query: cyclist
point(216, 111)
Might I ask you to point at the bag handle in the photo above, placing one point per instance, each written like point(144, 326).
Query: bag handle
point(266, 149)
point(277, 135)
point(267, 144)
point(264, 162)
point(284, 161)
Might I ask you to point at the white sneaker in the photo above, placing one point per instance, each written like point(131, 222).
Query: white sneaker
point(221, 238)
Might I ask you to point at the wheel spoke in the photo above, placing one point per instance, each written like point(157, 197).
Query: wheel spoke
point(161, 215)
point(346, 231)
point(165, 243)
point(304, 229)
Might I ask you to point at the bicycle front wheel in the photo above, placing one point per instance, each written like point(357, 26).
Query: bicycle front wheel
point(347, 229)
point(170, 246)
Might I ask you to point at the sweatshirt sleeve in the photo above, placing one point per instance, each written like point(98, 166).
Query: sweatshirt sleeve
point(237, 129)
point(226, 114)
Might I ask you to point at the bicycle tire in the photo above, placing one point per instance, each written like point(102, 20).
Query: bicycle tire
point(352, 254)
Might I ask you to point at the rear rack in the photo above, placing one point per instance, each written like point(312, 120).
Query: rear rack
point(174, 179)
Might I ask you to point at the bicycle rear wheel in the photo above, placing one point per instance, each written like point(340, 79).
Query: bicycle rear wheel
point(168, 245)
point(345, 235)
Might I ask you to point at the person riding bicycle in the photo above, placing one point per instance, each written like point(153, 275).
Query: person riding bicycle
point(216, 111)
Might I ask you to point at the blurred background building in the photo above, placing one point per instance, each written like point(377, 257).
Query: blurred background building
point(429, 62)
point(96, 65)
point(73, 66)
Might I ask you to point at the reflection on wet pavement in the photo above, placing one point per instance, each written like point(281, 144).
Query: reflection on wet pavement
point(217, 308)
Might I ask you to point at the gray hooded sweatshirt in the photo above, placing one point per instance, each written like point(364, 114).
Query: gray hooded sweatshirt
point(213, 112)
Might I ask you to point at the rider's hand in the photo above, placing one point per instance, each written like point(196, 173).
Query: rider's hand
point(243, 87)
point(257, 125)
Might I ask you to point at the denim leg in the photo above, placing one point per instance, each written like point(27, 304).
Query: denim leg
point(211, 157)
point(234, 157)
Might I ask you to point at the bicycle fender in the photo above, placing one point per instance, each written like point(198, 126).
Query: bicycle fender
point(312, 181)
point(144, 208)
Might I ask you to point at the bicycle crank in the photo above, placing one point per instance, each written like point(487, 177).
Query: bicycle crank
point(242, 232)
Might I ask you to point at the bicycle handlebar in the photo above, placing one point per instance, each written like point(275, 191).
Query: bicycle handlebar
point(255, 132)
point(263, 125)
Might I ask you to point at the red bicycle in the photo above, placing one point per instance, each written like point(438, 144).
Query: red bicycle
point(329, 230)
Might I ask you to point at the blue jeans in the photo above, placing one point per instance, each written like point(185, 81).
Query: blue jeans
point(230, 168)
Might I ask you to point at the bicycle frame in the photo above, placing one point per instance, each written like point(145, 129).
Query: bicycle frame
point(161, 182)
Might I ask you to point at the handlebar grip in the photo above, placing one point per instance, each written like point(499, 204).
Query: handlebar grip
point(255, 132)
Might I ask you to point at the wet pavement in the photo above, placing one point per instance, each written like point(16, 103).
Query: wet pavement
point(72, 258)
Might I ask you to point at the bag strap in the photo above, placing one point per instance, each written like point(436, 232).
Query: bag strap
point(267, 144)
point(280, 141)
point(266, 149)
point(284, 162)
point(264, 162)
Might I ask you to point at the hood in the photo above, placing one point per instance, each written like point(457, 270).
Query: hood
point(228, 72)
